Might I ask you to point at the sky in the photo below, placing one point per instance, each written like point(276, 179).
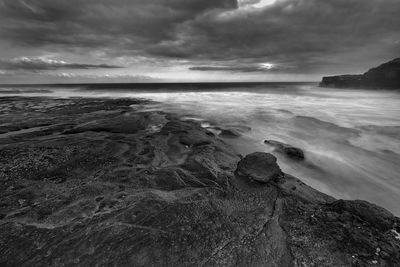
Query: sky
point(78, 41)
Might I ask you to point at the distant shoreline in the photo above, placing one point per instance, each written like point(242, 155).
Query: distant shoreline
point(385, 76)
point(156, 83)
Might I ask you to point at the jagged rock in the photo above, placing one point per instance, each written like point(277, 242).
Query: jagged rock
point(288, 150)
point(259, 166)
point(385, 76)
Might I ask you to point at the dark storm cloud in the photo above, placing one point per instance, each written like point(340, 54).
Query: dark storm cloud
point(306, 34)
point(124, 24)
point(40, 64)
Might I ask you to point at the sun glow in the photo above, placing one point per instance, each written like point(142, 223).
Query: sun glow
point(264, 3)
point(267, 66)
point(256, 4)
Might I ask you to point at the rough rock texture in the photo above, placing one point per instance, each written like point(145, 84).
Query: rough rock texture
point(385, 76)
point(288, 150)
point(259, 166)
point(164, 194)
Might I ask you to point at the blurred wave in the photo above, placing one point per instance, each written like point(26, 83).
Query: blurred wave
point(350, 137)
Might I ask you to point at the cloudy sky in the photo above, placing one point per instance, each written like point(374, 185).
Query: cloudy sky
point(193, 40)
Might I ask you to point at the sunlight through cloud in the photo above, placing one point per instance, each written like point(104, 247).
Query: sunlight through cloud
point(267, 66)
point(256, 3)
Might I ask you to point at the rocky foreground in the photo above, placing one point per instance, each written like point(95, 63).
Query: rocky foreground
point(385, 76)
point(94, 182)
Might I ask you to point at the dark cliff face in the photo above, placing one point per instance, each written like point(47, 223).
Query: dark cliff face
point(386, 76)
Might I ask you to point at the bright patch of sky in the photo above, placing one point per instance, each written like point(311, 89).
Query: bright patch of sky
point(256, 3)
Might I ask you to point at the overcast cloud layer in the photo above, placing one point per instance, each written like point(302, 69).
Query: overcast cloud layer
point(173, 38)
point(39, 64)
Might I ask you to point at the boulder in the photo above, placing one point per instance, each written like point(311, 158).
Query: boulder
point(288, 150)
point(259, 166)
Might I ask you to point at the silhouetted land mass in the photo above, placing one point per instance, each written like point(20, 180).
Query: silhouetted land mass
point(100, 182)
point(386, 76)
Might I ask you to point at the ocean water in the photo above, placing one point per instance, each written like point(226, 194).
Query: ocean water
point(351, 138)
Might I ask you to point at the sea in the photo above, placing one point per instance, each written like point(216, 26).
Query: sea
point(350, 137)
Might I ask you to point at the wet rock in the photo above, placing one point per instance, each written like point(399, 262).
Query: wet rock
point(209, 163)
point(127, 124)
point(194, 139)
point(259, 166)
point(288, 150)
point(315, 228)
point(189, 133)
point(229, 133)
point(174, 178)
point(169, 198)
point(371, 213)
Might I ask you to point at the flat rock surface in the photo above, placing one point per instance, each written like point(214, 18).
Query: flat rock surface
point(80, 187)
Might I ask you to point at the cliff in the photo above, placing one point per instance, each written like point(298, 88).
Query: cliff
point(88, 182)
point(386, 76)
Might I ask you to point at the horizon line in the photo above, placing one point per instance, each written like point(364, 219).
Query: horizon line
point(127, 83)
